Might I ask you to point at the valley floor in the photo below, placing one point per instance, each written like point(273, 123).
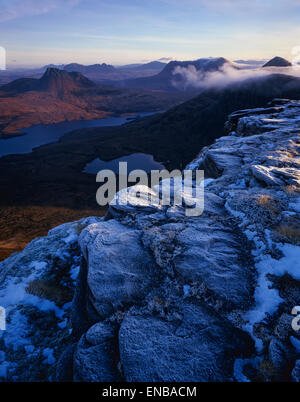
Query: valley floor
point(21, 224)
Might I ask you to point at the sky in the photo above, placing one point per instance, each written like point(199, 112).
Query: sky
point(39, 32)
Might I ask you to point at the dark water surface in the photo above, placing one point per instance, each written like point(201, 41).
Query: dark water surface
point(134, 161)
point(46, 133)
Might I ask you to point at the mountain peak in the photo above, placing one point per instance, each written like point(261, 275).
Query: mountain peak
point(171, 80)
point(278, 62)
point(53, 72)
point(93, 68)
point(60, 82)
point(203, 64)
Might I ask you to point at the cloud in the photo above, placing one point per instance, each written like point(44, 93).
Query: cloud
point(12, 9)
point(228, 74)
point(235, 4)
point(248, 8)
point(166, 59)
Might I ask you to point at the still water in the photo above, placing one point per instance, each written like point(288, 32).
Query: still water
point(46, 133)
point(134, 161)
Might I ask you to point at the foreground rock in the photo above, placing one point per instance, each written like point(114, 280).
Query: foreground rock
point(200, 347)
point(127, 270)
point(162, 296)
point(37, 287)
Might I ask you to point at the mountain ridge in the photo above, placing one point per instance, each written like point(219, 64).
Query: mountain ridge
point(53, 80)
point(60, 95)
point(169, 80)
point(92, 68)
point(277, 62)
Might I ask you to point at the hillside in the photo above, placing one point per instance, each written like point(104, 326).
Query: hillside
point(169, 80)
point(197, 122)
point(59, 96)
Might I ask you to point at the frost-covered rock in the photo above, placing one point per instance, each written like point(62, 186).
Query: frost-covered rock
point(120, 271)
point(212, 253)
point(199, 347)
point(93, 357)
point(36, 290)
point(296, 372)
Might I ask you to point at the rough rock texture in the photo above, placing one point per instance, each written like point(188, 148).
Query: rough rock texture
point(296, 372)
point(200, 347)
point(162, 296)
point(36, 290)
point(94, 359)
point(127, 270)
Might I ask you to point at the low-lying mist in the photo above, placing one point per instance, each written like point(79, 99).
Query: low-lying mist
point(229, 73)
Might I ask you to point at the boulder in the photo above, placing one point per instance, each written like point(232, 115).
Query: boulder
point(200, 348)
point(94, 357)
point(212, 254)
point(120, 270)
point(296, 372)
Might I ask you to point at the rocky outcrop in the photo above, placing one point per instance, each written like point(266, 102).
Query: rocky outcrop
point(127, 270)
point(94, 358)
point(199, 345)
point(36, 290)
point(162, 296)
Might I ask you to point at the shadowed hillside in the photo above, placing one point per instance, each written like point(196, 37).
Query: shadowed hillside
point(169, 80)
point(62, 96)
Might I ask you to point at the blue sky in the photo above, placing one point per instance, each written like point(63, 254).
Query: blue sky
point(122, 31)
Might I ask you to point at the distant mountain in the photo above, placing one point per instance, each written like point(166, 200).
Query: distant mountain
point(169, 80)
point(59, 95)
point(60, 66)
point(129, 66)
point(250, 62)
point(60, 82)
point(105, 74)
point(55, 81)
point(278, 62)
point(93, 68)
point(152, 65)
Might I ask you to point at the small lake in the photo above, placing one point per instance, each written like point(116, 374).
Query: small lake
point(46, 133)
point(134, 161)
